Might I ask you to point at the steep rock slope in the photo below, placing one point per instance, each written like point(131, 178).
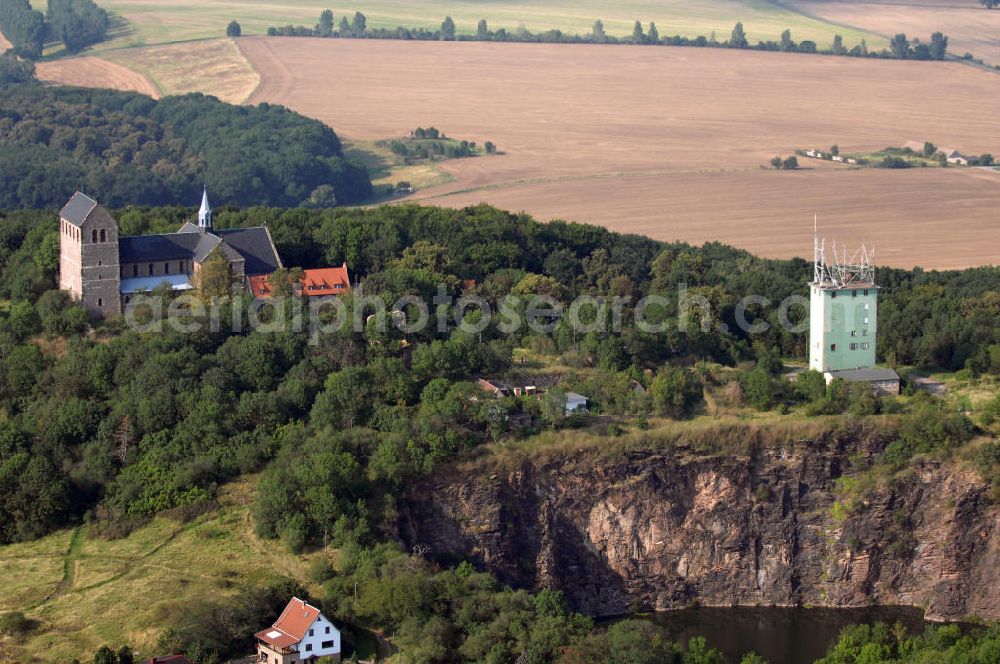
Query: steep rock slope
point(662, 528)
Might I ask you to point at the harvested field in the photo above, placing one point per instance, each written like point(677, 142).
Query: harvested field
point(94, 72)
point(670, 141)
point(4, 44)
point(213, 66)
point(969, 26)
point(178, 20)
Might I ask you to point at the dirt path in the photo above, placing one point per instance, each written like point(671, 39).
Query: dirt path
point(94, 72)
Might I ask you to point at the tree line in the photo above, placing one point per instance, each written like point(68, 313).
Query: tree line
point(76, 23)
point(356, 27)
point(129, 149)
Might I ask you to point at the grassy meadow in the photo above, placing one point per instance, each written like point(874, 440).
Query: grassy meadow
point(86, 592)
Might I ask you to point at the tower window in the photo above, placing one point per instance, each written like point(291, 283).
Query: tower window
point(866, 306)
point(100, 302)
point(864, 346)
point(866, 291)
point(833, 346)
point(854, 346)
point(166, 268)
point(135, 270)
point(864, 333)
point(833, 295)
point(854, 333)
point(866, 320)
point(104, 237)
point(854, 293)
point(150, 269)
point(93, 236)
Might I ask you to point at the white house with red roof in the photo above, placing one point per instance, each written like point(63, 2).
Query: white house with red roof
point(300, 634)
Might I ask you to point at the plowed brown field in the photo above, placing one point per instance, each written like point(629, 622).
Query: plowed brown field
point(970, 27)
point(670, 141)
point(94, 72)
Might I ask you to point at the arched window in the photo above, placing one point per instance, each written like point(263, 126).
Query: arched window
point(100, 302)
point(93, 236)
point(104, 238)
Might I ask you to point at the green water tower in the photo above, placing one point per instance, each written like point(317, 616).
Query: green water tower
point(843, 310)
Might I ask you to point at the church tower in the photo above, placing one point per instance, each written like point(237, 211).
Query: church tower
point(843, 310)
point(89, 266)
point(205, 212)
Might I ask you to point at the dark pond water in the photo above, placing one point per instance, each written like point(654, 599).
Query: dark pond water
point(782, 636)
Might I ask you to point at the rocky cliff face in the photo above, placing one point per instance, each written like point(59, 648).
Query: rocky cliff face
point(654, 529)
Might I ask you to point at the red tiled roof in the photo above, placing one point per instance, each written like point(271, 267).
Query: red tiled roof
point(318, 282)
point(291, 626)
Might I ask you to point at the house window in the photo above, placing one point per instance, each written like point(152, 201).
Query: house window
point(864, 346)
point(166, 268)
point(326, 644)
point(135, 270)
point(310, 632)
point(327, 631)
point(866, 291)
point(833, 346)
point(854, 293)
point(104, 238)
point(180, 267)
point(854, 333)
point(150, 269)
point(309, 646)
point(854, 346)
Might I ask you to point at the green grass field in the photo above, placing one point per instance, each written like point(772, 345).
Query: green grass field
point(86, 592)
point(178, 20)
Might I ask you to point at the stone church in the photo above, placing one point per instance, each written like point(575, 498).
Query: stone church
point(104, 271)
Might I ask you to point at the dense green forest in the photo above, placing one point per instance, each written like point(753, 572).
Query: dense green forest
point(23, 27)
point(113, 425)
point(129, 149)
point(77, 23)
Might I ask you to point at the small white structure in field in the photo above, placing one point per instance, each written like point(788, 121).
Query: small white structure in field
point(300, 634)
point(575, 403)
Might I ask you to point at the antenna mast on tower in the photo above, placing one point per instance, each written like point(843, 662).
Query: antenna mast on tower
point(846, 269)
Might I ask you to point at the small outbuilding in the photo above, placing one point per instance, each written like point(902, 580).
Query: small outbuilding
point(575, 403)
point(882, 380)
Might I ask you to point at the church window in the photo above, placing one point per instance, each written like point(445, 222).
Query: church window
point(93, 236)
point(104, 237)
point(166, 268)
point(100, 302)
point(150, 269)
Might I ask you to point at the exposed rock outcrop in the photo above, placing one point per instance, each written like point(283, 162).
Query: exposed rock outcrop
point(656, 529)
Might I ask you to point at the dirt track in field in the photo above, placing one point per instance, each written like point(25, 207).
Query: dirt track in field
point(94, 72)
point(670, 142)
point(969, 26)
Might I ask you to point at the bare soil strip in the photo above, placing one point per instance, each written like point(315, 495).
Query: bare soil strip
point(95, 72)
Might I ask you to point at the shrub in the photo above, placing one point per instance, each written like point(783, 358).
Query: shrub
point(16, 623)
